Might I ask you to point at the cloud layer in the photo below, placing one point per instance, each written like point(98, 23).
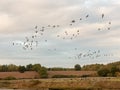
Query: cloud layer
point(18, 19)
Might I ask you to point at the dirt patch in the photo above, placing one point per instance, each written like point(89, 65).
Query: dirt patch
point(18, 75)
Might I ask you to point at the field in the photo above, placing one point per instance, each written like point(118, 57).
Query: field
point(89, 83)
point(18, 75)
point(33, 74)
point(27, 81)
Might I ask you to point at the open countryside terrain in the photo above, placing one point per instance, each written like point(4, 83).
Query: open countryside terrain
point(77, 78)
point(18, 75)
point(89, 83)
point(35, 75)
point(27, 81)
point(76, 41)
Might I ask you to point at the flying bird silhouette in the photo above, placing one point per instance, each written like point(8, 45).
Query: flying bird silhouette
point(36, 27)
point(80, 18)
point(102, 16)
point(109, 22)
point(87, 16)
point(73, 21)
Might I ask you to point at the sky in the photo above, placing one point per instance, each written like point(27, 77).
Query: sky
point(70, 36)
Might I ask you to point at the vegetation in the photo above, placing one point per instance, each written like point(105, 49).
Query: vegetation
point(92, 67)
point(111, 69)
point(77, 67)
point(22, 69)
point(65, 82)
point(64, 76)
point(103, 72)
point(10, 78)
point(29, 67)
point(43, 72)
point(96, 83)
point(36, 67)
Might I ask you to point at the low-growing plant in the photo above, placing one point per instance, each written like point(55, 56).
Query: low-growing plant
point(85, 76)
point(10, 78)
point(64, 76)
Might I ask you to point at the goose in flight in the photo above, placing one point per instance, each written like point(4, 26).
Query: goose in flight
point(108, 28)
point(58, 35)
point(99, 29)
point(73, 21)
point(87, 16)
point(102, 16)
point(35, 27)
point(109, 22)
point(13, 43)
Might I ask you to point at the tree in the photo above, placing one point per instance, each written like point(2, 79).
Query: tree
point(36, 67)
point(103, 72)
point(92, 67)
point(29, 67)
point(22, 69)
point(113, 70)
point(77, 67)
point(0, 68)
point(12, 67)
point(43, 72)
point(4, 68)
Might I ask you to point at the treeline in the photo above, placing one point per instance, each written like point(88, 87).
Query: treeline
point(60, 69)
point(76, 67)
point(111, 69)
point(30, 67)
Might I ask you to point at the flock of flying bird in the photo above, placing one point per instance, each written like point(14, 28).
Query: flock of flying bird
point(33, 41)
point(91, 54)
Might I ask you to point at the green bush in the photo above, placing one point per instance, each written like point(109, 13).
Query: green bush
point(103, 72)
point(10, 78)
point(43, 72)
point(85, 76)
point(22, 69)
point(64, 76)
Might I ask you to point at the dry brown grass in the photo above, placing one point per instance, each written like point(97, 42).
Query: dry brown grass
point(75, 73)
point(33, 74)
point(89, 82)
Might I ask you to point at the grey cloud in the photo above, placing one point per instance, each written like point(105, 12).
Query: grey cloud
point(21, 16)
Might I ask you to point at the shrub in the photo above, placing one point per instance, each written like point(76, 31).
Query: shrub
point(85, 76)
point(10, 78)
point(22, 69)
point(43, 72)
point(64, 76)
point(103, 72)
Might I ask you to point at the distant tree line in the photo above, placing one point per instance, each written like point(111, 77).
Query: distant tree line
point(59, 69)
point(111, 69)
point(30, 67)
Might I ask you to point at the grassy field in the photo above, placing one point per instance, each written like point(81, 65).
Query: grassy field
point(89, 83)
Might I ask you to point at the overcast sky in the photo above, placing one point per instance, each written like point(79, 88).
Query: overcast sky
point(18, 19)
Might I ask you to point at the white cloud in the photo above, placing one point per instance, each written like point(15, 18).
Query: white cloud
point(19, 17)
